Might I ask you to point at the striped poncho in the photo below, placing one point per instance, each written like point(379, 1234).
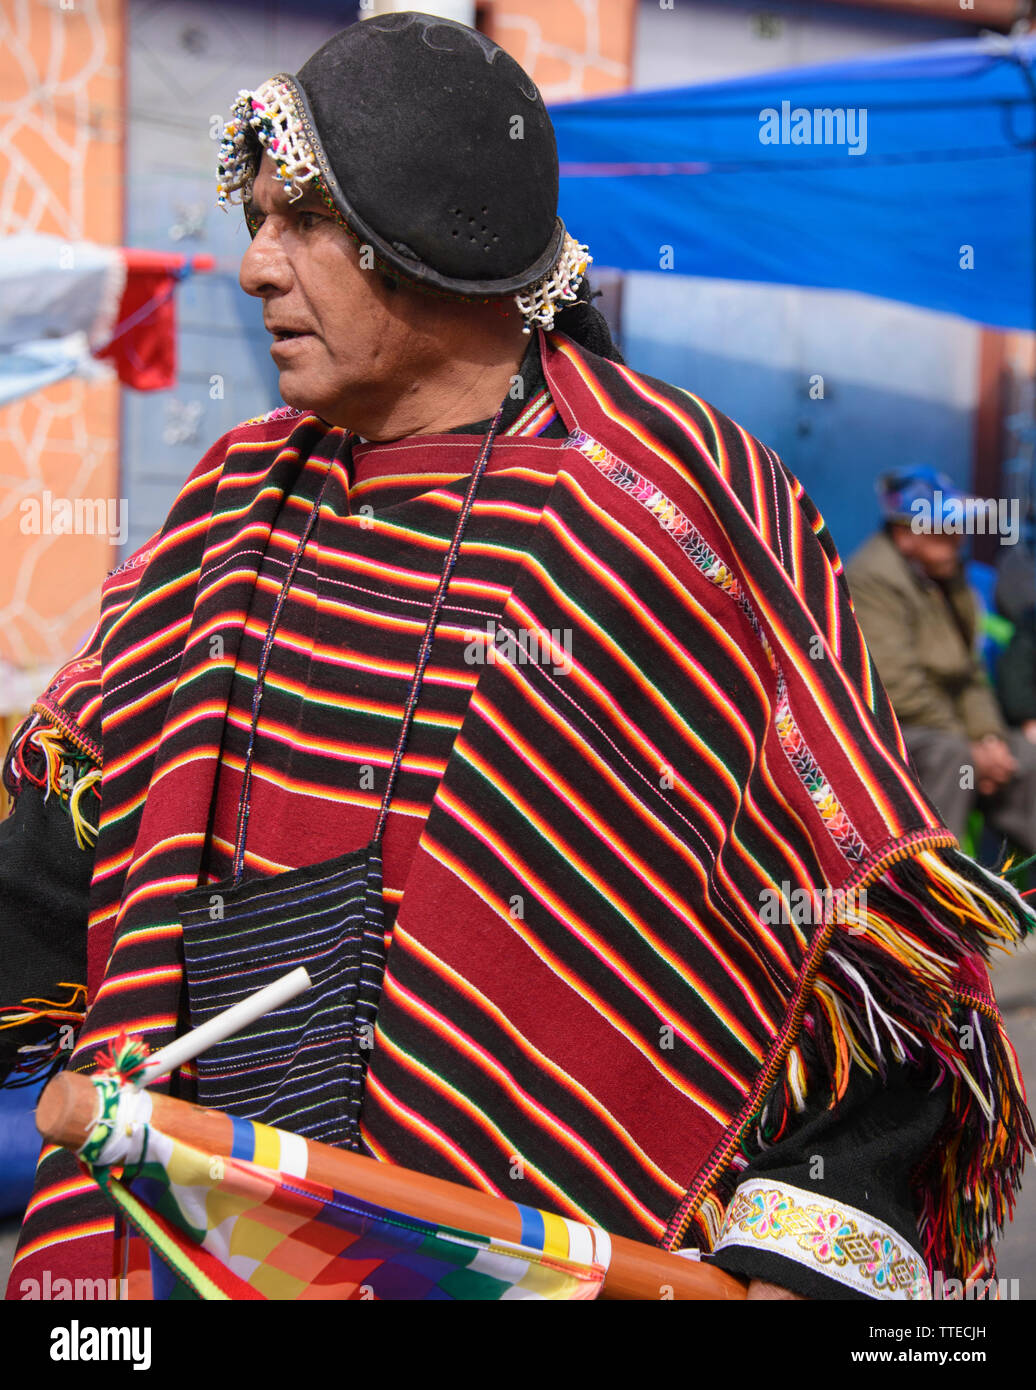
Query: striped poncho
point(648, 719)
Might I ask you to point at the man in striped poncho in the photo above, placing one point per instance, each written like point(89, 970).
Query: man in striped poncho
point(675, 942)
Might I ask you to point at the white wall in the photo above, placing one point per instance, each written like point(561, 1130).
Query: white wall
point(899, 384)
point(714, 39)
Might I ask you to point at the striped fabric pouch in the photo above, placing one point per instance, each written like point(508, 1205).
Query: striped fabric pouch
point(301, 1067)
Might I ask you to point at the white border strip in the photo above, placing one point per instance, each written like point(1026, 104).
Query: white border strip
point(855, 1271)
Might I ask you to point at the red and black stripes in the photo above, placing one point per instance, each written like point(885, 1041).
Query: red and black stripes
point(647, 705)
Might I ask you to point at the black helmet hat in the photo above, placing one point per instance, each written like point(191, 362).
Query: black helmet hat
point(435, 148)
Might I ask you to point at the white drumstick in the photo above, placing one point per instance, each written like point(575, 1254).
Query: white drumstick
point(224, 1025)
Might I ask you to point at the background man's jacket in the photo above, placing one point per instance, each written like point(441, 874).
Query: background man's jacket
point(926, 657)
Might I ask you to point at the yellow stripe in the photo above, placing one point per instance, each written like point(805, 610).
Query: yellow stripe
point(267, 1148)
point(555, 1236)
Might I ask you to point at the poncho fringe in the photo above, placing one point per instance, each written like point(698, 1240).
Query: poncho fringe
point(52, 757)
point(38, 754)
point(895, 979)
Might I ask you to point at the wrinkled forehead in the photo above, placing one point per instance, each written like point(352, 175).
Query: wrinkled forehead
point(266, 194)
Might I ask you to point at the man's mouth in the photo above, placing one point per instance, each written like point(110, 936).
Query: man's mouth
point(283, 340)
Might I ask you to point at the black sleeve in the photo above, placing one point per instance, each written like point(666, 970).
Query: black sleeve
point(44, 895)
point(1016, 673)
point(862, 1153)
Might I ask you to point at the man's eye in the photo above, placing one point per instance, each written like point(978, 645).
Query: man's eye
point(308, 220)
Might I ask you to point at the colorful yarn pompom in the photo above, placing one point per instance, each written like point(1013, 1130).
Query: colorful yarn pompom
point(124, 1058)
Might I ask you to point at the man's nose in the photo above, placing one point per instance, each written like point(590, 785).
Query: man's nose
point(265, 269)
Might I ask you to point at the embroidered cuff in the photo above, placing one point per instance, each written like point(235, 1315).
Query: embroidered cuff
point(826, 1236)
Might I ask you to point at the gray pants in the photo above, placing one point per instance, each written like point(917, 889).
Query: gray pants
point(939, 761)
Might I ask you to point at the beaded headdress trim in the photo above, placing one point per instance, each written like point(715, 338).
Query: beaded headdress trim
point(540, 302)
point(270, 112)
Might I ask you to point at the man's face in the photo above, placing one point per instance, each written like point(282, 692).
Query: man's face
point(937, 553)
point(353, 341)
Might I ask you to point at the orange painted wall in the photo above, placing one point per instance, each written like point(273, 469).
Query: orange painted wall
point(568, 49)
point(60, 173)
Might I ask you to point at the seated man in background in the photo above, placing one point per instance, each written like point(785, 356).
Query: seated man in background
point(920, 619)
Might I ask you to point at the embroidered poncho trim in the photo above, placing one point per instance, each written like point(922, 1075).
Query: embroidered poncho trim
point(833, 1237)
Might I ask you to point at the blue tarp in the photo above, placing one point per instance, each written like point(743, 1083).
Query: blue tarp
point(937, 153)
point(19, 1146)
